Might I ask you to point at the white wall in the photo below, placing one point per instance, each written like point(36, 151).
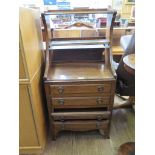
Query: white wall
point(31, 2)
point(91, 3)
point(74, 3)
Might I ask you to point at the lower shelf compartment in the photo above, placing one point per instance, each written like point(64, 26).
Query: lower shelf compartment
point(92, 115)
point(96, 109)
point(80, 125)
point(86, 125)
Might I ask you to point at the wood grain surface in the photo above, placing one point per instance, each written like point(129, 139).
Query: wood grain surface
point(79, 71)
point(32, 124)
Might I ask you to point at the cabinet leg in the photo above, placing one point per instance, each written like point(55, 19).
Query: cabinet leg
point(53, 137)
point(54, 134)
point(104, 133)
point(107, 132)
point(101, 132)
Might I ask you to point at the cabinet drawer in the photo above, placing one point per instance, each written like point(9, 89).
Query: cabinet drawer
point(97, 115)
point(77, 102)
point(72, 90)
point(80, 125)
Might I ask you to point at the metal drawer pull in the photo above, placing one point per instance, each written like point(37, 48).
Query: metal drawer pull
point(60, 90)
point(99, 117)
point(61, 101)
point(99, 101)
point(100, 89)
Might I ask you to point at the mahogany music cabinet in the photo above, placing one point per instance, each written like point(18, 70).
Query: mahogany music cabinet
point(79, 78)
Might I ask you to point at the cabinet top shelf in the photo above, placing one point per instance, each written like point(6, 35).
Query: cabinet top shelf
point(68, 51)
point(80, 11)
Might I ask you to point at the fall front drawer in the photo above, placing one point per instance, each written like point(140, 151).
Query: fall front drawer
point(77, 102)
point(80, 125)
point(72, 90)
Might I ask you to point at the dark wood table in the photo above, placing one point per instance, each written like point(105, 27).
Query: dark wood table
point(127, 149)
point(129, 63)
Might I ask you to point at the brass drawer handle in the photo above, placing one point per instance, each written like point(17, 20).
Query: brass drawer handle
point(60, 90)
point(100, 89)
point(99, 117)
point(61, 101)
point(99, 101)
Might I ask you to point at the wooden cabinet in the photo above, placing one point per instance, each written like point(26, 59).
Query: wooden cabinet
point(81, 105)
point(126, 9)
point(79, 81)
point(26, 119)
point(32, 125)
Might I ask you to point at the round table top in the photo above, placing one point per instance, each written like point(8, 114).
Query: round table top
point(129, 63)
point(127, 148)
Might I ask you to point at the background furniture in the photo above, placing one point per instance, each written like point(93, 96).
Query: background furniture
point(117, 50)
point(79, 81)
point(129, 63)
point(125, 41)
point(128, 80)
point(127, 149)
point(126, 10)
point(32, 125)
point(125, 80)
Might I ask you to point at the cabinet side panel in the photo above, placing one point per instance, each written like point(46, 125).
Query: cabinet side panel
point(22, 73)
point(39, 107)
point(27, 129)
point(30, 27)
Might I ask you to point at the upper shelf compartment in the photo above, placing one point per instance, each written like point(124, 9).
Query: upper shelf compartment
point(79, 44)
point(81, 23)
point(70, 42)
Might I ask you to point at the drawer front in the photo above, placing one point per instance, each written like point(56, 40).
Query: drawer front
point(77, 102)
point(71, 90)
point(80, 125)
point(98, 115)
